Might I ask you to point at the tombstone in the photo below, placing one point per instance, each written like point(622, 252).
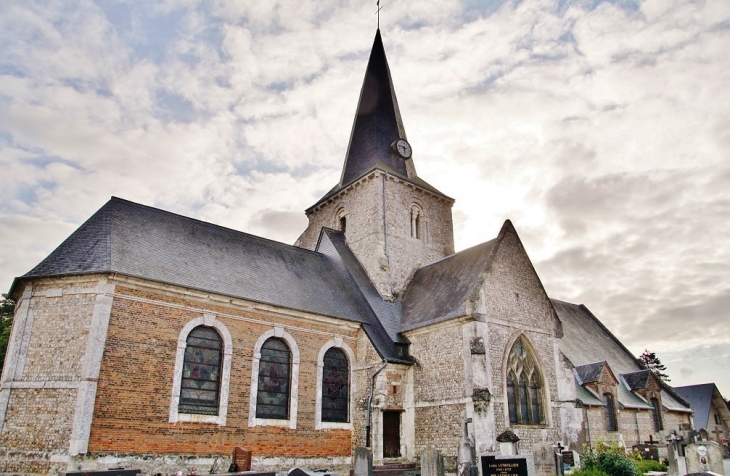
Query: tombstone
point(302, 472)
point(506, 466)
point(544, 456)
point(241, 460)
point(508, 443)
point(465, 452)
point(432, 463)
point(703, 457)
point(363, 462)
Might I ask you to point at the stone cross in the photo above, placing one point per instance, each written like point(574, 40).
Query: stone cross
point(363, 462)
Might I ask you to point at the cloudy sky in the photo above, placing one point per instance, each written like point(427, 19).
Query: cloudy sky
point(600, 128)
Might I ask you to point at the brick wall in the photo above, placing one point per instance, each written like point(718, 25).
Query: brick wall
point(133, 399)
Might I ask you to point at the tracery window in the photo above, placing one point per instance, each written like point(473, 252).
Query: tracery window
point(610, 410)
point(524, 387)
point(272, 399)
point(335, 386)
point(200, 384)
point(656, 413)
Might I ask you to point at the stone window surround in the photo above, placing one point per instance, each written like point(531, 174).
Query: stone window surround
point(416, 209)
point(293, 401)
point(545, 388)
point(326, 425)
point(340, 214)
point(208, 320)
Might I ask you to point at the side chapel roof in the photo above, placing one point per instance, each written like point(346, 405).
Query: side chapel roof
point(700, 398)
point(144, 242)
point(587, 341)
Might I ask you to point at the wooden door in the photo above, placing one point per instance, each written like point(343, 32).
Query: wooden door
point(391, 434)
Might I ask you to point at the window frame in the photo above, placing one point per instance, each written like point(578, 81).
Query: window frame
point(291, 422)
point(541, 391)
point(318, 423)
point(656, 412)
point(610, 412)
point(207, 320)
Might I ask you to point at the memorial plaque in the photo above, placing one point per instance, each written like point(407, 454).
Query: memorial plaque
point(491, 466)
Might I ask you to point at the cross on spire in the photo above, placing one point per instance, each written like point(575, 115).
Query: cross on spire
point(378, 13)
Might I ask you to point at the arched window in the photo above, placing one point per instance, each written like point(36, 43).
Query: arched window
point(524, 387)
point(335, 386)
point(610, 410)
point(272, 399)
point(416, 231)
point(656, 413)
point(342, 220)
point(201, 376)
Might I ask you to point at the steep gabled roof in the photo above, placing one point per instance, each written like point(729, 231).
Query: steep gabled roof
point(589, 373)
point(586, 340)
point(144, 242)
point(439, 291)
point(382, 317)
point(701, 398)
point(638, 380)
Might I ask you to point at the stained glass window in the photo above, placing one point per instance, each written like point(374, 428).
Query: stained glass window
point(335, 386)
point(524, 387)
point(272, 399)
point(200, 383)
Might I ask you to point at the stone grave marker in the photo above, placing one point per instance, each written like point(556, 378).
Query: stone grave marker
point(363, 462)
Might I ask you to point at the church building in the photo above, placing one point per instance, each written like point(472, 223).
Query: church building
point(156, 341)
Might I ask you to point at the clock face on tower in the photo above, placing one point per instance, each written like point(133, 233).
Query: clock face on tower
point(402, 148)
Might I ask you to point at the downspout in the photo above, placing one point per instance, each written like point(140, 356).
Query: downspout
point(385, 238)
point(588, 426)
point(638, 434)
point(370, 401)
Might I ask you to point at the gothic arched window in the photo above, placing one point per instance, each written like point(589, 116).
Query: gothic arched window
point(200, 383)
point(524, 387)
point(610, 410)
point(272, 399)
point(335, 386)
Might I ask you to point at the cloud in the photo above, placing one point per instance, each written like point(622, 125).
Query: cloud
point(600, 128)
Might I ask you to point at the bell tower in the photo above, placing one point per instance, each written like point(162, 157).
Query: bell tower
point(393, 221)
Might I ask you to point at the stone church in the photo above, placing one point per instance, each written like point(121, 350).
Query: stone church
point(156, 341)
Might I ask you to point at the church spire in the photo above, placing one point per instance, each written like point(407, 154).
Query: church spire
point(377, 123)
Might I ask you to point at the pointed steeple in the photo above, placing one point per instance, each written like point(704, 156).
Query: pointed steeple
point(377, 124)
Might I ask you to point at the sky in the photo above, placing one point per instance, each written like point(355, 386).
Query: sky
point(600, 128)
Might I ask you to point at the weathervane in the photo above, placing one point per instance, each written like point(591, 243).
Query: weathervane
point(378, 13)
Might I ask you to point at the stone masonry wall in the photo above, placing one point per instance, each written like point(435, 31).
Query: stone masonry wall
point(439, 383)
point(44, 372)
point(362, 205)
point(512, 303)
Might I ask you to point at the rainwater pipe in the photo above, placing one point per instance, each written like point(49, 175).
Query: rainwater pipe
point(370, 402)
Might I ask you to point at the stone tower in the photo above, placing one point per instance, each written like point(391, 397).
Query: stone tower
point(393, 221)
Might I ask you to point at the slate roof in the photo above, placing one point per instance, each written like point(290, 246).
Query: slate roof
point(590, 372)
point(701, 398)
point(139, 241)
point(637, 380)
point(439, 291)
point(376, 126)
point(587, 341)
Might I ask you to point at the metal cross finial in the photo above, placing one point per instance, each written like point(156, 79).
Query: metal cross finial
point(378, 13)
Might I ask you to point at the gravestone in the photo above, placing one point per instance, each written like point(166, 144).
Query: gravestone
point(432, 463)
point(242, 458)
point(544, 456)
point(703, 457)
point(363, 462)
point(505, 466)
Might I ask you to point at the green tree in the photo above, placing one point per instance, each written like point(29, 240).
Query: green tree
point(650, 361)
point(7, 308)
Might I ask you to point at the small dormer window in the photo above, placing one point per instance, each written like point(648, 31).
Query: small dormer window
point(657, 414)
